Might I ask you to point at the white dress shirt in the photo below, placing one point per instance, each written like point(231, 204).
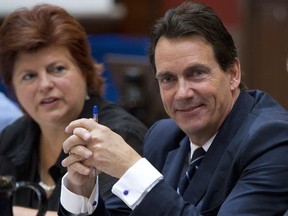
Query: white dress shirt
point(143, 175)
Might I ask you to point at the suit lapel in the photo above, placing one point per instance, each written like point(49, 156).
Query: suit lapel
point(226, 133)
point(201, 179)
point(175, 161)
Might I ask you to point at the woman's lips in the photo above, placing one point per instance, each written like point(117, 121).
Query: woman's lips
point(49, 100)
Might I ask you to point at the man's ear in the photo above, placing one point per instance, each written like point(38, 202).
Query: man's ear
point(234, 73)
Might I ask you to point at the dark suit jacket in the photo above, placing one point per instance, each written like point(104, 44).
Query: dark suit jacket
point(244, 172)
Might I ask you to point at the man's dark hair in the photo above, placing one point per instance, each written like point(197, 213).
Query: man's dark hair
point(191, 19)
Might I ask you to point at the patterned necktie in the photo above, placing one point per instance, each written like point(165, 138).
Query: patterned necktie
point(193, 166)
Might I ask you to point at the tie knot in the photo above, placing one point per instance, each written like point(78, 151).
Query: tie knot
point(198, 153)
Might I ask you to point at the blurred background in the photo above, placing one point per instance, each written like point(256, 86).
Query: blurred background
point(119, 36)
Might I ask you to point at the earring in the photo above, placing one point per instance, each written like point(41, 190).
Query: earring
point(87, 97)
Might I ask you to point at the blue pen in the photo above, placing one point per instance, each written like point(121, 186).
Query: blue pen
point(95, 113)
point(95, 118)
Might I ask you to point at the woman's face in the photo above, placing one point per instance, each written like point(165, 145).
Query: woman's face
point(49, 85)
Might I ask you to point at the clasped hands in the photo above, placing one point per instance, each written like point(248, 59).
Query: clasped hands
point(92, 145)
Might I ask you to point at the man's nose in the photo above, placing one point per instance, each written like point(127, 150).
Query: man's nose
point(184, 90)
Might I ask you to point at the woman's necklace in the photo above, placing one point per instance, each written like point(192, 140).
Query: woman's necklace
point(47, 187)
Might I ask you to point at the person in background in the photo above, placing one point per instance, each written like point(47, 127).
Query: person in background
point(9, 111)
point(45, 60)
point(240, 135)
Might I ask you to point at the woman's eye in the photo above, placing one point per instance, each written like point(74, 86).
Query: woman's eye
point(29, 76)
point(58, 69)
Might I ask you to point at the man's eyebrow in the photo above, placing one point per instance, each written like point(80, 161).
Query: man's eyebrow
point(163, 73)
point(187, 69)
point(196, 66)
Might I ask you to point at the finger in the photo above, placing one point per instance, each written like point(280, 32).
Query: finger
point(72, 158)
point(80, 168)
point(89, 124)
point(82, 133)
point(88, 162)
point(71, 141)
point(82, 151)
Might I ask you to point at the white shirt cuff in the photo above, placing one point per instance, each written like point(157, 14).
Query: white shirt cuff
point(78, 204)
point(136, 182)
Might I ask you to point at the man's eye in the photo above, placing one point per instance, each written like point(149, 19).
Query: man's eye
point(198, 72)
point(166, 79)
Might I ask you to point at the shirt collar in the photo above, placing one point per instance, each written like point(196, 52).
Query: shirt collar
point(206, 145)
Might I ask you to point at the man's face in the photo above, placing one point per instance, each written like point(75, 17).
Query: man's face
point(195, 91)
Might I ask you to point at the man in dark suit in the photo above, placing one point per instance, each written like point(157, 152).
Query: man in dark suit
point(244, 135)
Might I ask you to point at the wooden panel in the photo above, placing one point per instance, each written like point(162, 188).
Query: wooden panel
point(266, 47)
point(141, 15)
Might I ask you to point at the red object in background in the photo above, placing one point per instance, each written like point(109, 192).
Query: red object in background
point(228, 10)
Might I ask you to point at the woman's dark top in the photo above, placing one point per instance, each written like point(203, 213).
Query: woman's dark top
point(19, 143)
